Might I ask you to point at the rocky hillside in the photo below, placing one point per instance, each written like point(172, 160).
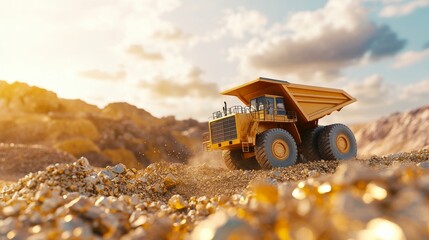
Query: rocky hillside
point(119, 132)
point(399, 132)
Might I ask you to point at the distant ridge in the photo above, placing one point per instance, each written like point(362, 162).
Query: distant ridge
point(398, 132)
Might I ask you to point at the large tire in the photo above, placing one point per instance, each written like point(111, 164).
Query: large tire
point(337, 142)
point(275, 148)
point(234, 160)
point(309, 147)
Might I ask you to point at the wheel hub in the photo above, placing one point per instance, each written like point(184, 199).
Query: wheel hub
point(280, 149)
point(343, 143)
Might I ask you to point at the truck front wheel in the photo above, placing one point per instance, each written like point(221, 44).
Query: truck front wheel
point(337, 142)
point(275, 148)
point(234, 160)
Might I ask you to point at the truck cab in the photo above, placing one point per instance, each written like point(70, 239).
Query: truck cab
point(271, 108)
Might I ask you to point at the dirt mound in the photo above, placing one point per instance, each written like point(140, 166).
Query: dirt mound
point(18, 160)
point(175, 201)
point(119, 132)
point(399, 132)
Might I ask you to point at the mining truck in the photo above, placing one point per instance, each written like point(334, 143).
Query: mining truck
point(278, 126)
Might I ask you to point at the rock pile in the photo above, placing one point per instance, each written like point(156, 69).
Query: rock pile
point(18, 160)
point(117, 133)
point(358, 201)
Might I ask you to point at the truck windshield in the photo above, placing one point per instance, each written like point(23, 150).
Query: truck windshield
point(260, 103)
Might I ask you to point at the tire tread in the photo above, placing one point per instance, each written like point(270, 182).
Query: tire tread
point(236, 163)
point(260, 153)
point(324, 141)
point(261, 156)
point(310, 148)
point(229, 162)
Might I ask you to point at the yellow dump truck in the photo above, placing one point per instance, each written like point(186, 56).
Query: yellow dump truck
point(278, 126)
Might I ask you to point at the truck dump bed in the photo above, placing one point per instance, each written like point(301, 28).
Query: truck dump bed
point(309, 102)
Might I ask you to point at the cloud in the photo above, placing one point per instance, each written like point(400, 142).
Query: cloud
point(239, 23)
point(171, 88)
point(376, 93)
point(103, 75)
point(371, 91)
point(151, 46)
point(139, 52)
point(416, 92)
point(316, 43)
point(376, 98)
point(410, 58)
point(384, 1)
point(384, 42)
point(183, 96)
point(148, 44)
point(394, 10)
point(170, 34)
point(242, 21)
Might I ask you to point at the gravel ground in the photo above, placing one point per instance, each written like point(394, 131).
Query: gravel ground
point(18, 160)
point(318, 200)
point(207, 181)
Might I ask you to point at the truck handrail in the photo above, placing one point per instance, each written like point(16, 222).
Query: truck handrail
point(230, 111)
point(278, 114)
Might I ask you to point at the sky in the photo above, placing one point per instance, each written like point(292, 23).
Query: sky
point(173, 57)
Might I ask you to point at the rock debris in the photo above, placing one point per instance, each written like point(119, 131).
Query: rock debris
point(375, 198)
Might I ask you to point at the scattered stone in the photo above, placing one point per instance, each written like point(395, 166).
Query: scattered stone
point(223, 226)
point(170, 181)
point(119, 168)
point(106, 174)
point(177, 202)
point(359, 200)
point(424, 165)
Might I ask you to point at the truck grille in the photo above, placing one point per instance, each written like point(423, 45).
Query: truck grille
point(223, 130)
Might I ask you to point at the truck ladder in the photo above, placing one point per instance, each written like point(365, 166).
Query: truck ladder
point(245, 147)
point(251, 131)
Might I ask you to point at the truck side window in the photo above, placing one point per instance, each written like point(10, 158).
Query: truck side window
point(280, 106)
point(253, 105)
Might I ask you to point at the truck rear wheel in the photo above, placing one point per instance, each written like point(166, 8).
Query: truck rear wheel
point(275, 148)
point(234, 160)
point(337, 142)
point(309, 147)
